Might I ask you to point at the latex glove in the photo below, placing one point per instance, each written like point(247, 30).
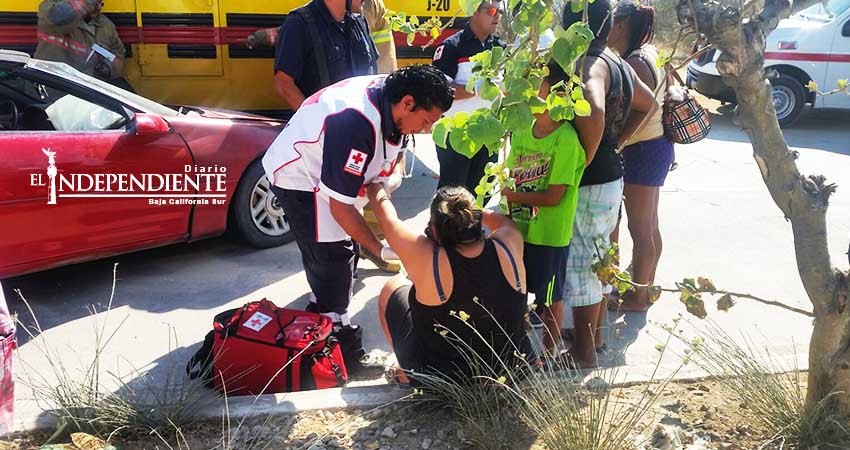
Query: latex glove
point(390, 183)
point(387, 254)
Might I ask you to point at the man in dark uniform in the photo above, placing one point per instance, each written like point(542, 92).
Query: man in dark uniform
point(319, 44)
point(452, 58)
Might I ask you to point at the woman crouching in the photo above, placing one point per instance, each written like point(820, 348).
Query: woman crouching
point(468, 293)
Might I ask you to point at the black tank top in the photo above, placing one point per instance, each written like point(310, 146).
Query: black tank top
point(607, 165)
point(495, 309)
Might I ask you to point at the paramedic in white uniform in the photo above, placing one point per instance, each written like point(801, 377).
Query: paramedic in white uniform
point(341, 139)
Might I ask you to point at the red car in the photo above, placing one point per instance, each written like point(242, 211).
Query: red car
point(88, 170)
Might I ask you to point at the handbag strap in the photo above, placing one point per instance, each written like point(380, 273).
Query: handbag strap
point(670, 74)
point(646, 117)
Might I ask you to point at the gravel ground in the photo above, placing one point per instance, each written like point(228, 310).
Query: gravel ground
point(697, 415)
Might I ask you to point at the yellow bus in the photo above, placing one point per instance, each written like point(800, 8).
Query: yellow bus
point(193, 52)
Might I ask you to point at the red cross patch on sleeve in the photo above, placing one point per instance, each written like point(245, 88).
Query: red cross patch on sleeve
point(438, 53)
point(356, 162)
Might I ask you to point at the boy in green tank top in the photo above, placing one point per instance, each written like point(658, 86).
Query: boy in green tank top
point(546, 162)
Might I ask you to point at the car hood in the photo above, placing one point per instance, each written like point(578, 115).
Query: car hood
point(218, 113)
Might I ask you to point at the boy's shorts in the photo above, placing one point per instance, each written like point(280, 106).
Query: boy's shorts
point(545, 270)
point(596, 217)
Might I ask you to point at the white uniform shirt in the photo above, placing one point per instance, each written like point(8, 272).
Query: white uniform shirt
point(340, 139)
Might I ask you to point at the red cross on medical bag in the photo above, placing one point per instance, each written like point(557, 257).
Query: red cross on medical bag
point(262, 349)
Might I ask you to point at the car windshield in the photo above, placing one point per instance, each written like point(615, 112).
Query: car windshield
point(66, 72)
point(826, 10)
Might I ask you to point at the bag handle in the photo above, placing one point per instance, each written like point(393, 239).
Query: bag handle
point(670, 74)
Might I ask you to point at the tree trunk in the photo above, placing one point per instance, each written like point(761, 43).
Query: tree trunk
point(803, 200)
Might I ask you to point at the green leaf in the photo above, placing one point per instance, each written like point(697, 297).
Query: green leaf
point(486, 130)
point(537, 105)
point(489, 90)
point(461, 143)
point(441, 131)
point(582, 108)
point(580, 35)
point(469, 6)
point(812, 86)
point(578, 5)
point(410, 38)
point(520, 87)
point(460, 119)
point(570, 45)
point(694, 304)
point(664, 58)
point(496, 55)
point(518, 117)
point(560, 107)
point(577, 93)
point(654, 293)
point(497, 106)
point(470, 85)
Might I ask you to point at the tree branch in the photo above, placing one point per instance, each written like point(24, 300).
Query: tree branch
point(751, 297)
point(800, 5)
point(803, 200)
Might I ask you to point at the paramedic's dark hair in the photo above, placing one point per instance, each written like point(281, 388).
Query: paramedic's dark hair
point(428, 86)
point(598, 17)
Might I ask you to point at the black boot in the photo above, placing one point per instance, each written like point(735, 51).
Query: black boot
point(350, 339)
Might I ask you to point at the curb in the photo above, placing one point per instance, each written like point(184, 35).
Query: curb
point(29, 417)
point(296, 402)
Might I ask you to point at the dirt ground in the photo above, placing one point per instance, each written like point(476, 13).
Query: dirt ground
point(705, 411)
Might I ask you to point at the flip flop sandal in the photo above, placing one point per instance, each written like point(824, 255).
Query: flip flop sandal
point(391, 376)
point(602, 349)
point(568, 334)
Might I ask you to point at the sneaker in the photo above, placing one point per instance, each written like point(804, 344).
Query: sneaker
point(386, 266)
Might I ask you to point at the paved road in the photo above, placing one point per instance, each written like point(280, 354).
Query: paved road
point(717, 220)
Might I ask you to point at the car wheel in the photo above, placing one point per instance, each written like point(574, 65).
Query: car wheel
point(788, 99)
point(255, 213)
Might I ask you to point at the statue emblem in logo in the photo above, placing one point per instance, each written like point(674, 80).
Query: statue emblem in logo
point(51, 174)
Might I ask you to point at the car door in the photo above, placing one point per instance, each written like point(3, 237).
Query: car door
point(838, 67)
point(52, 210)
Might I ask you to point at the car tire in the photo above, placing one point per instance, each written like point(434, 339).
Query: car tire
point(789, 97)
point(255, 213)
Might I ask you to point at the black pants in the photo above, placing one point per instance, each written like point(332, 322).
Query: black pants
point(329, 266)
point(458, 170)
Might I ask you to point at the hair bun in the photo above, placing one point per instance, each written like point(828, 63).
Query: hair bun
point(455, 215)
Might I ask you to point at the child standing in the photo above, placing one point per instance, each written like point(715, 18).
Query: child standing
point(547, 163)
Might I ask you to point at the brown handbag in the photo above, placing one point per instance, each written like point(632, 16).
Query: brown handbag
point(686, 121)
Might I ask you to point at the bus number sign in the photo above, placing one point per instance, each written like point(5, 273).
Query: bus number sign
point(439, 5)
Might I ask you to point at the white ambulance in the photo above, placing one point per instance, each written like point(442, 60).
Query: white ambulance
point(812, 45)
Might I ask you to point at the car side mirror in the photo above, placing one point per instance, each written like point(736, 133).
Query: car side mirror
point(149, 125)
point(846, 30)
